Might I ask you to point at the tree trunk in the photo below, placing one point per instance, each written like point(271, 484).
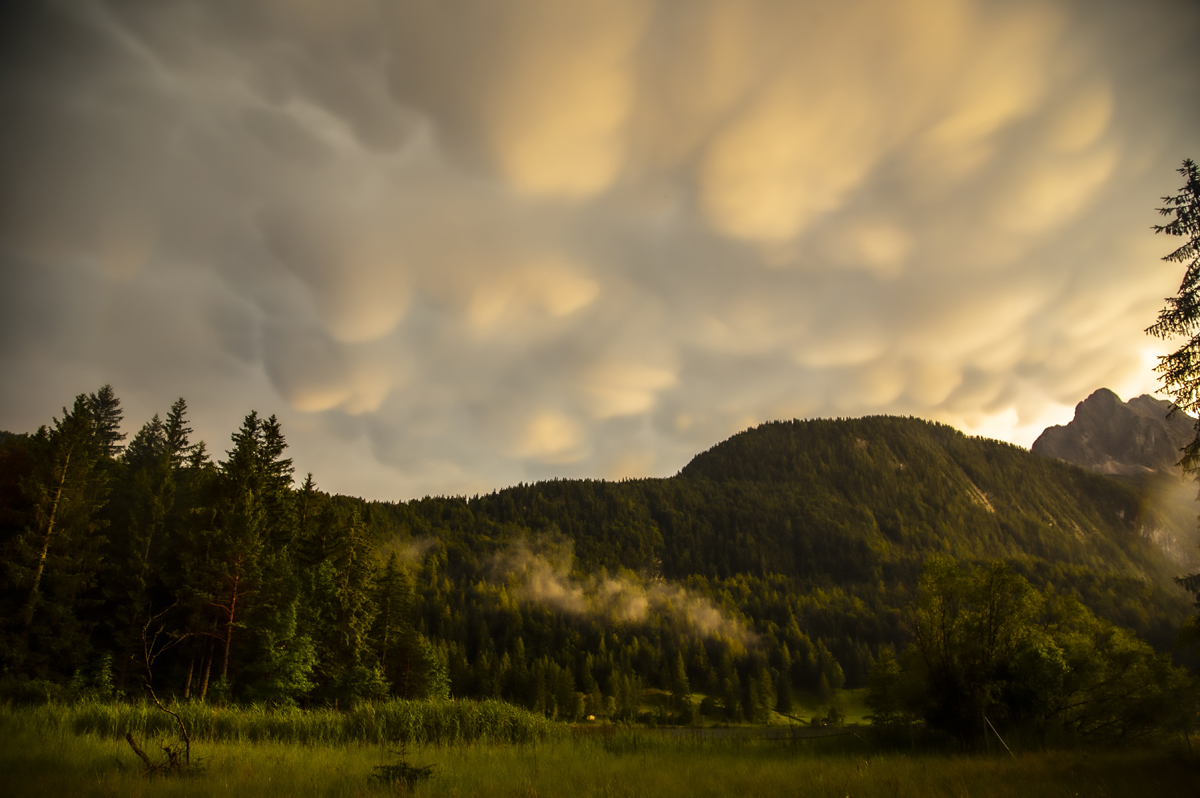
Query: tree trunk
point(27, 614)
point(187, 684)
point(387, 624)
point(207, 670)
point(229, 627)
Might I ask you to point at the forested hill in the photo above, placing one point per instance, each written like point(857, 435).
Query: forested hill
point(784, 558)
point(854, 506)
point(904, 486)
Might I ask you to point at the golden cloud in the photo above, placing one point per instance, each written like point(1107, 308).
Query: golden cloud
point(616, 388)
point(562, 92)
point(553, 437)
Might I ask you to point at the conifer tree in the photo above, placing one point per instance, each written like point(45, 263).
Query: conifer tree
point(308, 504)
point(339, 583)
point(1180, 318)
point(1180, 370)
point(105, 409)
point(731, 696)
point(145, 500)
point(55, 558)
point(249, 513)
point(393, 597)
point(192, 521)
point(176, 433)
point(147, 445)
point(407, 661)
point(681, 691)
point(275, 488)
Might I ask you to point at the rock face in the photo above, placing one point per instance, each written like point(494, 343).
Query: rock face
point(1114, 437)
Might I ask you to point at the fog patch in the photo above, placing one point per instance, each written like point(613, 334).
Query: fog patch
point(542, 574)
point(410, 552)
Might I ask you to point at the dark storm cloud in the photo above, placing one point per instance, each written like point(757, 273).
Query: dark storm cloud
point(455, 245)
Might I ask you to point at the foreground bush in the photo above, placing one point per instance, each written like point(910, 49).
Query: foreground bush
point(989, 650)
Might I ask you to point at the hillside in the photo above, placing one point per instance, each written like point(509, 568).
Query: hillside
point(785, 558)
point(905, 486)
point(846, 510)
point(842, 501)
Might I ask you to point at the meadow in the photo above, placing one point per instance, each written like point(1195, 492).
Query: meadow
point(79, 751)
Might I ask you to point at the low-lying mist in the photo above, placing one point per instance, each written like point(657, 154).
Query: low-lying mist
point(541, 572)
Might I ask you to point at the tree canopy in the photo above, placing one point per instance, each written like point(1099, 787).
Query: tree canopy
point(1180, 317)
point(988, 648)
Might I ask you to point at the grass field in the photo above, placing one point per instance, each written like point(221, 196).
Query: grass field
point(416, 722)
point(42, 757)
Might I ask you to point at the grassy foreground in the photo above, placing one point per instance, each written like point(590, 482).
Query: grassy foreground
point(412, 722)
point(39, 758)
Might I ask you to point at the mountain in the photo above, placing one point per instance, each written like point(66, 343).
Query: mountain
point(922, 487)
point(1138, 442)
point(1114, 437)
point(835, 519)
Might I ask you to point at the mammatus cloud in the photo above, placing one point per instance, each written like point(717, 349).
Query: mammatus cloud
point(459, 245)
point(543, 576)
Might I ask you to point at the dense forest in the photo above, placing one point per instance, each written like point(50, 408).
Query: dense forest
point(788, 558)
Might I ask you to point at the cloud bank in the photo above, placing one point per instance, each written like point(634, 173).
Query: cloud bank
point(459, 245)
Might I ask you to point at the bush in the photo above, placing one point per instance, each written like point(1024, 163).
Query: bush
point(23, 691)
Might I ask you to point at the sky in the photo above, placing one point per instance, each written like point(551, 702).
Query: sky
point(455, 245)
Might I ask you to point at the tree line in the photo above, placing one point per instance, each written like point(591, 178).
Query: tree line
point(156, 564)
point(225, 580)
point(990, 650)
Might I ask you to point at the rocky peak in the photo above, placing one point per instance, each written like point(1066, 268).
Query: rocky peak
point(1115, 437)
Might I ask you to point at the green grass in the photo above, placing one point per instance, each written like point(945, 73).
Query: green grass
point(419, 722)
point(42, 757)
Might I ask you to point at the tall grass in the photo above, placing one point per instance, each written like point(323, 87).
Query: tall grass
point(410, 722)
point(38, 758)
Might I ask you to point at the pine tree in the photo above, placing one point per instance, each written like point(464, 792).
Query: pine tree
point(191, 523)
point(731, 696)
point(355, 566)
point(394, 599)
point(66, 490)
point(275, 490)
point(249, 514)
point(105, 409)
point(1180, 370)
point(142, 506)
point(411, 666)
point(341, 607)
point(308, 504)
point(147, 445)
point(681, 691)
point(283, 658)
point(765, 697)
point(783, 701)
point(55, 559)
point(176, 433)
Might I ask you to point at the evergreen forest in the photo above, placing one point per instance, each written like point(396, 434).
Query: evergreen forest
point(801, 556)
